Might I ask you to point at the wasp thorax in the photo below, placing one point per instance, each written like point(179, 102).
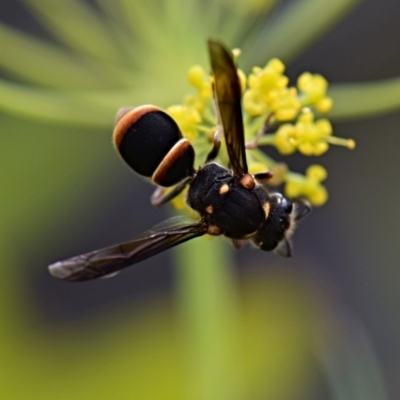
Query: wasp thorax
point(238, 212)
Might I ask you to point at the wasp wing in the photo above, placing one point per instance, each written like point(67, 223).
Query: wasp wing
point(228, 96)
point(110, 260)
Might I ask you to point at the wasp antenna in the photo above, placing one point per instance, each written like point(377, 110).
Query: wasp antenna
point(284, 248)
point(302, 209)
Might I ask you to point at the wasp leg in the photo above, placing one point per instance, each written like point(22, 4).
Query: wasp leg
point(238, 244)
point(263, 177)
point(217, 144)
point(159, 197)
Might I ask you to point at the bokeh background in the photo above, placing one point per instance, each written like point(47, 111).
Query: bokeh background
point(202, 321)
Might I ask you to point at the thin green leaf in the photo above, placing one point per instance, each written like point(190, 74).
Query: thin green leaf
point(351, 367)
point(244, 19)
point(145, 20)
point(295, 28)
point(56, 107)
point(44, 64)
point(181, 20)
point(77, 25)
point(90, 108)
point(354, 100)
point(121, 32)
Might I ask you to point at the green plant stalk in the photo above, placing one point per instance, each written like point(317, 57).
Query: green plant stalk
point(208, 306)
point(355, 100)
point(301, 23)
point(76, 25)
point(350, 365)
point(50, 66)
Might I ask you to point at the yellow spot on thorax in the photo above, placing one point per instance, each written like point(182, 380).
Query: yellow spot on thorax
point(224, 189)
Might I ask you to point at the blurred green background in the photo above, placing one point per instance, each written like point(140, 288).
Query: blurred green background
point(201, 321)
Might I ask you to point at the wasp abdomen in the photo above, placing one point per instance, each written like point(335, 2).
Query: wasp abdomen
point(150, 142)
point(176, 165)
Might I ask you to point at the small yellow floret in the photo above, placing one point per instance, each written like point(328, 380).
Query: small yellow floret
point(317, 172)
point(200, 80)
point(324, 105)
point(308, 186)
point(196, 76)
point(253, 103)
point(277, 65)
point(284, 104)
point(187, 119)
point(284, 139)
point(314, 87)
point(236, 53)
point(351, 144)
point(268, 91)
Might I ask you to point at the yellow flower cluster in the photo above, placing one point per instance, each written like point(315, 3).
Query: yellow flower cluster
point(188, 115)
point(313, 89)
point(267, 100)
point(308, 186)
point(268, 92)
point(308, 136)
point(187, 119)
point(201, 82)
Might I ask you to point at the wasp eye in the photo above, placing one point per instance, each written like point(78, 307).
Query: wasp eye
point(283, 202)
point(287, 205)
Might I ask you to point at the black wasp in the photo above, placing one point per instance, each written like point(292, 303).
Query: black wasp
point(230, 201)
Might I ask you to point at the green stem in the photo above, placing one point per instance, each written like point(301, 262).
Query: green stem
point(267, 140)
point(209, 314)
point(260, 156)
point(298, 25)
point(350, 365)
point(354, 100)
point(76, 25)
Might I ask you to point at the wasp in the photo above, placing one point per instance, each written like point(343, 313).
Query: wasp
point(229, 201)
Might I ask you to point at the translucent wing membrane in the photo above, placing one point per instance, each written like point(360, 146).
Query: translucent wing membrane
point(103, 262)
point(228, 95)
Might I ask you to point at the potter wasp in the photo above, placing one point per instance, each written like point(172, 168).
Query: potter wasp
point(229, 201)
